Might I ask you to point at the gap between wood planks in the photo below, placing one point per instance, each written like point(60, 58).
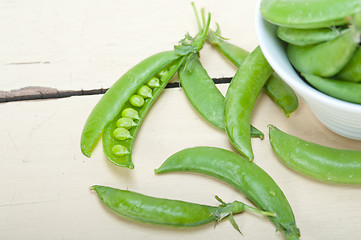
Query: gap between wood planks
point(36, 93)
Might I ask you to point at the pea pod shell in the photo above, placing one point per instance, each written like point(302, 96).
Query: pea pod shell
point(352, 71)
point(112, 101)
point(242, 174)
point(347, 91)
point(153, 210)
point(324, 59)
point(109, 141)
point(240, 98)
point(309, 13)
point(316, 161)
point(304, 37)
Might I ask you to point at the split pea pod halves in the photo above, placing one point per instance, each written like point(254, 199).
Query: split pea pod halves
point(241, 96)
point(275, 87)
point(168, 212)
point(242, 174)
point(316, 161)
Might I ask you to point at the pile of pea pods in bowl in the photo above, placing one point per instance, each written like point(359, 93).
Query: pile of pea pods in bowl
point(336, 102)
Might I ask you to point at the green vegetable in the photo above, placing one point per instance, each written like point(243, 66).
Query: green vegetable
point(309, 13)
point(316, 161)
point(142, 208)
point(241, 96)
point(242, 174)
point(275, 87)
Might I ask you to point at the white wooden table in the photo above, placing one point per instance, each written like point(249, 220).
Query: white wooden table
point(83, 45)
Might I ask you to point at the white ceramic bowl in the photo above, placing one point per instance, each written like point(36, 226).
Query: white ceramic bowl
point(342, 117)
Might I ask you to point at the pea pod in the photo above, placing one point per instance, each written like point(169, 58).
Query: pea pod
point(324, 59)
point(109, 140)
point(309, 13)
point(347, 91)
point(316, 161)
point(114, 99)
point(131, 97)
point(204, 95)
point(240, 173)
point(275, 87)
point(168, 212)
point(352, 71)
point(304, 37)
point(240, 98)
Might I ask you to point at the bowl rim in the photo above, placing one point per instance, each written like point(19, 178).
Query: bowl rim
point(301, 87)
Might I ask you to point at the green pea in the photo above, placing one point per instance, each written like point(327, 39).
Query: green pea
point(163, 72)
point(120, 150)
point(121, 134)
point(153, 82)
point(126, 123)
point(130, 113)
point(136, 100)
point(145, 91)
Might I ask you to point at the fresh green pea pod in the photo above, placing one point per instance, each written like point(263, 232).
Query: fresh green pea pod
point(240, 98)
point(316, 161)
point(275, 87)
point(125, 160)
point(188, 47)
point(324, 59)
point(240, 173)
point(168, 212)
point(352, 71)
point(347, 91)
point(304, 37)
point(204, 95)
point(111, 103)
point(309, 13)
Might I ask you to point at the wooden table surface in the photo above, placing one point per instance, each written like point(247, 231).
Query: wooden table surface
point(86, 45)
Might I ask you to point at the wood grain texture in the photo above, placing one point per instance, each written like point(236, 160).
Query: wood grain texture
point(86, 45)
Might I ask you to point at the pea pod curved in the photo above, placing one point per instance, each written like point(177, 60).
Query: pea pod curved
point(204, 95)
point(304, 37)
point(324, 59)
point(309, 13)
point(352, 70)
point(347, 91)
point(240, 98)
point(109, 141)
point(168, 212)
point(275, 87)
point(316, 161)
point(112, 101)
point(240, 173)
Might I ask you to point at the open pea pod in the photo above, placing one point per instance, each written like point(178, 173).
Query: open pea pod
point(309, 13)
point(118, 148)
point(110, 105)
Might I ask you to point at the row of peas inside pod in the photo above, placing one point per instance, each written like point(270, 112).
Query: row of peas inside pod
point(323, 42)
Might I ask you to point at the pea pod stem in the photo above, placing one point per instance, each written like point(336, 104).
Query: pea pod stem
point(240, 173)
point(168, 212)
point(316, 161)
